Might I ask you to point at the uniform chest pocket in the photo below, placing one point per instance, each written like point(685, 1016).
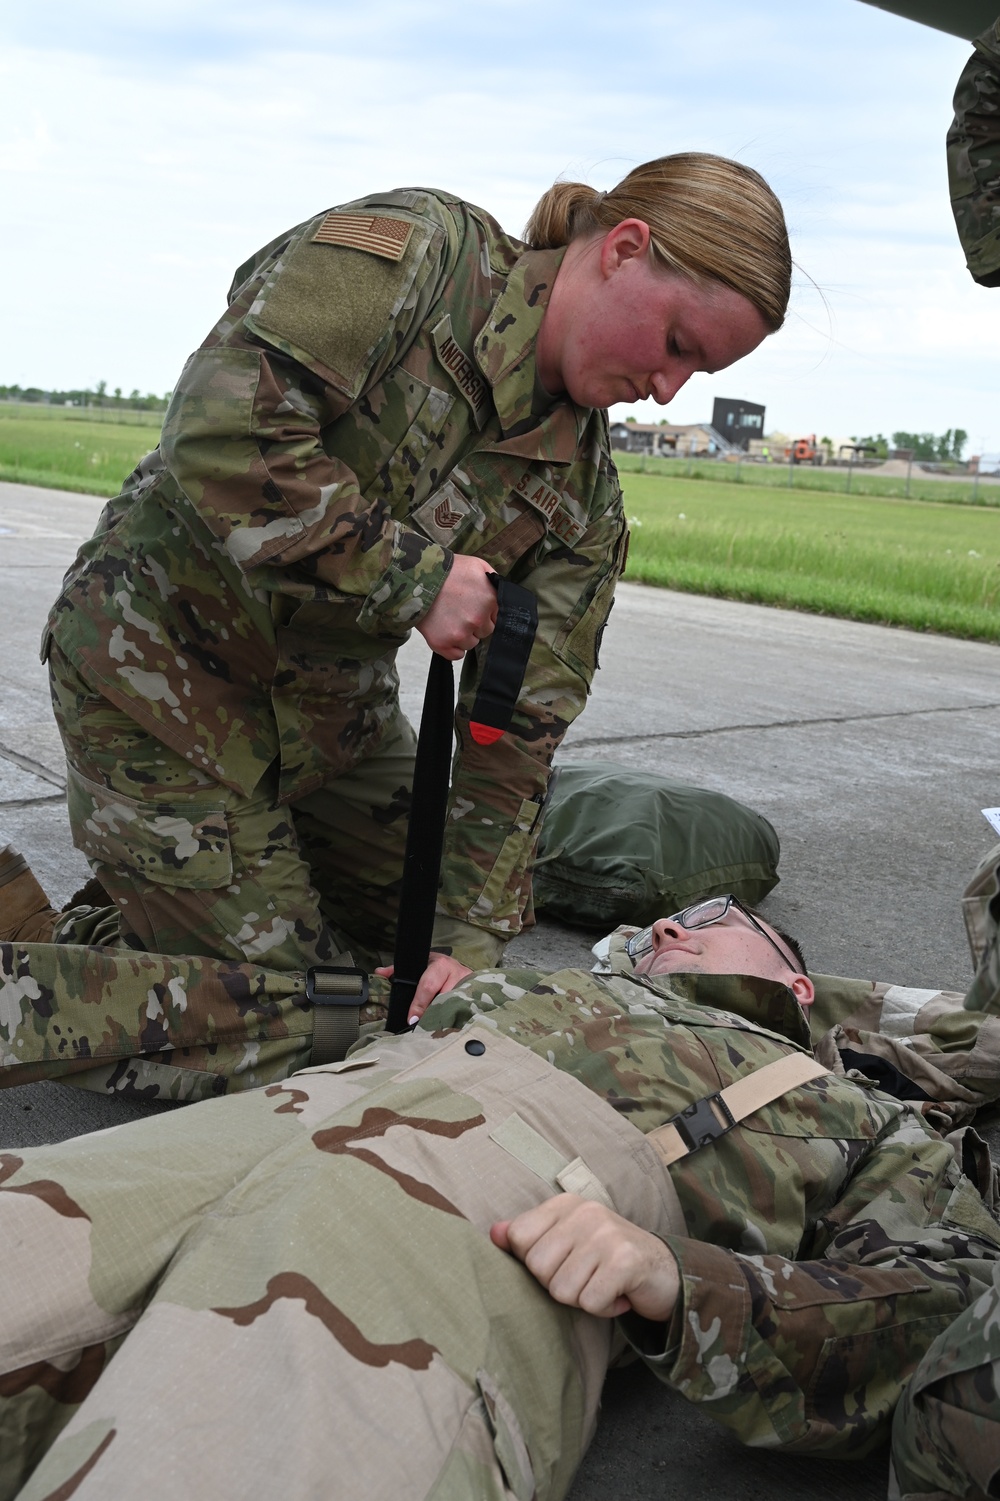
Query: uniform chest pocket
point(392, 439)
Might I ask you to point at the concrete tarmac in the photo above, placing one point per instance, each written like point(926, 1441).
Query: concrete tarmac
point(867, 748)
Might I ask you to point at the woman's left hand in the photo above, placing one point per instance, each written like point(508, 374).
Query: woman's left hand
point(442, 973)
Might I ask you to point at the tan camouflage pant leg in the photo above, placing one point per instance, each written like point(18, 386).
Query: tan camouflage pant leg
point(87, 1228)
point(946, 1431)
point(340, 1318)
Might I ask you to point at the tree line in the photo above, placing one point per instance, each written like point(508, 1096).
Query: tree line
point(929, 447)
point(99, 396)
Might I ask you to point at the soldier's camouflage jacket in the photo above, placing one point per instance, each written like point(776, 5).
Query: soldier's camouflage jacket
point(367, 407)
point(974, 159)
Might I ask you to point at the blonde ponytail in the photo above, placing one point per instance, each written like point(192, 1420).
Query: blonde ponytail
point(709, 219)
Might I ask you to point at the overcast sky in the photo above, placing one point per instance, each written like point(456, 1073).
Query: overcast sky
point(147, 146)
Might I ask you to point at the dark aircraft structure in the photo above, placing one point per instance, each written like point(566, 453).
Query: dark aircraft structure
point(961, 17)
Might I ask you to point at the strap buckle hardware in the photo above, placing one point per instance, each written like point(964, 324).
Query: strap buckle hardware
point(333, 985)
point(698, 1124)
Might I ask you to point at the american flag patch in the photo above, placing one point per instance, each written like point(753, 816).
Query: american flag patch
point(385, 237)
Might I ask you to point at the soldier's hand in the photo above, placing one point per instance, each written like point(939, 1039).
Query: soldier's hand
point(589, 1257)
point(442, 973)
point(465, 611)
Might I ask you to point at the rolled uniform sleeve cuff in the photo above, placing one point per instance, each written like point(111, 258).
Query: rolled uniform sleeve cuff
point(702, 1351)
point(409, 586)
point(476, 947)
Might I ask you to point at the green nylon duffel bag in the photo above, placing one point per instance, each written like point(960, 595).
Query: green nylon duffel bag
point(619, 845)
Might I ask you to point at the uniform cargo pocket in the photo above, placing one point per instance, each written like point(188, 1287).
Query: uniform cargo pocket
point(509, 1444)
point(499, 900)
point(183, 843)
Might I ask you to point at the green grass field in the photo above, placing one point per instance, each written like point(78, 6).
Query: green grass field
point(929, 566)
point(932, 564)
point(69, 450)
point(959, 490)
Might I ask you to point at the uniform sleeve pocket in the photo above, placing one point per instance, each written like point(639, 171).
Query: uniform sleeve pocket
point(182, 844)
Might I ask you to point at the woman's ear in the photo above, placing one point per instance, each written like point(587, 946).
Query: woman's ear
point(628, 241)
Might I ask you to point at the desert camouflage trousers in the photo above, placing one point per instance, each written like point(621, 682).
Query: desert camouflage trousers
point(299, 1283)
point(193, 867)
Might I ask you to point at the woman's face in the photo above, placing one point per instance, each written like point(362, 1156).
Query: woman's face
point(618, 329)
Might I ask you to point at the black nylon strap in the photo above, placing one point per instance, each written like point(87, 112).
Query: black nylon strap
point(424, 841)
point(499, 689)
point(506, 660)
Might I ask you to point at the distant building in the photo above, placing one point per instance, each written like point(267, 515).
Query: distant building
point(667, 439)
point(738, 421)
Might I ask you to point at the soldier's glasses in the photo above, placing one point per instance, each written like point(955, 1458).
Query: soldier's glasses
point(704, 915)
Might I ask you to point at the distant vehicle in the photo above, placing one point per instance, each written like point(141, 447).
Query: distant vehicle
point(804, 451)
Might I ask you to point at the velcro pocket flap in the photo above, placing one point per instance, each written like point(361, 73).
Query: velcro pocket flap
point(183, 843)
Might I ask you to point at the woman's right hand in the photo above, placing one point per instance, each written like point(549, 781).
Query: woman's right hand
point(465, 611)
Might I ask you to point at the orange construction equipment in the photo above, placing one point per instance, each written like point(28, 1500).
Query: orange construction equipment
point(804, 451)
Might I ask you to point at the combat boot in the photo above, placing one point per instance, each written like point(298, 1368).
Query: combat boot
point(26, 915)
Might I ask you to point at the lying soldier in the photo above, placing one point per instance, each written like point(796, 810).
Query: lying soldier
point(311, 1279)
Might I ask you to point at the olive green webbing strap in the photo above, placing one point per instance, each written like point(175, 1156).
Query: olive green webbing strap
point(337, 996)
point(707, 1119)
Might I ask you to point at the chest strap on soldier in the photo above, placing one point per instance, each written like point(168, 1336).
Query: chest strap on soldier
point(707, 1119)
point(336, 996)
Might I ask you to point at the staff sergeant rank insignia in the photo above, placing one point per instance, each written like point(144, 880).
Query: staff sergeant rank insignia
point(447, 513)
point(461, 369)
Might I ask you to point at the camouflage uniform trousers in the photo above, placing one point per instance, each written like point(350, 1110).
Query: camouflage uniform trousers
point(193, 867)
point(153, 1026)
point(946, 1431)
point(300, 1282)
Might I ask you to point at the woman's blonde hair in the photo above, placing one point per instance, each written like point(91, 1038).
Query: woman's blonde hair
point(709, 219)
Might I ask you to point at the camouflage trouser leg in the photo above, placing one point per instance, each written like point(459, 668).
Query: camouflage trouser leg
point(153, 1026)
point(194, 868)
point(352, 835)
point(299, 1283)
point(197, 868)
point(946, 1430)
point(981, 911)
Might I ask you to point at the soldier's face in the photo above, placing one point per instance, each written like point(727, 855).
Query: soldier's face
point(729, 947)
point(634, 331)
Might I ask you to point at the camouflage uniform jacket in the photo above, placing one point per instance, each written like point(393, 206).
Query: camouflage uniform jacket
point(974, 159)
point(366, 408)
point(830, 1236)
